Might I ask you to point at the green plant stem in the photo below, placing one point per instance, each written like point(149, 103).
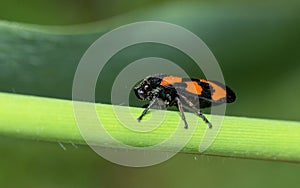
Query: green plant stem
point(49, 119)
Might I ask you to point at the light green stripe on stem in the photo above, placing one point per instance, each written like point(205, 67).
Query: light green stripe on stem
point(53, 120)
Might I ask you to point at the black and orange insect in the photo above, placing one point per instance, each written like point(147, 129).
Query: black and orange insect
point(183, 93)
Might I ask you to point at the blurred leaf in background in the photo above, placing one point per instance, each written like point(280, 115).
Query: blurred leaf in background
point(67, 12)
point(256, 44)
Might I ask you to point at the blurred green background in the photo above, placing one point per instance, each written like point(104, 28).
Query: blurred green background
point(256, 44)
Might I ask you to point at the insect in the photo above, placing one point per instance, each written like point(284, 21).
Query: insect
point(183, 93)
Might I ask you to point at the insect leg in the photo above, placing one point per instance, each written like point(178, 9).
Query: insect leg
point(204, 119)
point(148, 107)
point(179, 104)
point(198, 112)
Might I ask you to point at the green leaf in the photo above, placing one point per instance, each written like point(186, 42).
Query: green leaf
point(54, 120)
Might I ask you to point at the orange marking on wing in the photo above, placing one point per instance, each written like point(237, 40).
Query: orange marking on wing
point(193, 87)
point(202, 80)
point(219, 91)
point(168, 80)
